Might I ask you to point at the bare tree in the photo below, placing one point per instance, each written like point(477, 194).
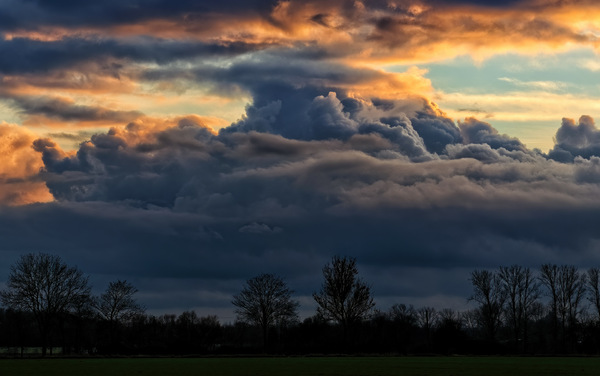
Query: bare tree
point(265, 301)
point(403, 313)
point(572, 287)
point(404, 325)
point(490, 296)
point(522, 291)
point(344, 297)
point(549, 278)
point(593, 283)
point(449, 321)
point(45, 286)
point(118, 304)
point(427, 318)
point(470, 320)
point(566, 288)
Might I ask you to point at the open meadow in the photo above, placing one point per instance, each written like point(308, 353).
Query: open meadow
point(313, 366)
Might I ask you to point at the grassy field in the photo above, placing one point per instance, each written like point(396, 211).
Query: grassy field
point(351, 366)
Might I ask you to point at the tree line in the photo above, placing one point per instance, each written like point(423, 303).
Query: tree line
point(517, 310)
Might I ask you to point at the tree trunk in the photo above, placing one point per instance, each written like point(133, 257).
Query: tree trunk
point(265, 330)
point(516, 334)
point(346, 345)
point(44, 342)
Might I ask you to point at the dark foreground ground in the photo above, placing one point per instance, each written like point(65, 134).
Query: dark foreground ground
point(346, 366)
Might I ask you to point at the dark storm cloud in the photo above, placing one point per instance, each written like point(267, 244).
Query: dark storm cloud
point(324, 118)
point(236, 174)
point(485, 153)
point(475, 131)
point(481, 152)
point(307, 100)
point(436, 131)
point(588, 170)
point(158, 249)
point(105, 168)
point(480, 140)
point(66, 110)
point(573, 140)
point(23, 55)
point(276, 67)
point(69, 13)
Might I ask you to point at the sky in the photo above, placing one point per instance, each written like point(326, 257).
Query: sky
point(187, 146)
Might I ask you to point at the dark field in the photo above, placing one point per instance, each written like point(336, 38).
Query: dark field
point(363, 366)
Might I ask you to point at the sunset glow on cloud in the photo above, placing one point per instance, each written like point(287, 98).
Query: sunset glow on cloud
point(165, 141)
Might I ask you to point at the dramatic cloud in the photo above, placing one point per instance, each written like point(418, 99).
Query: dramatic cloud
point(187, 146)
point(23, 55)
point(77, 14)
point(574, 140)
point(478, 132)
point(66, 110)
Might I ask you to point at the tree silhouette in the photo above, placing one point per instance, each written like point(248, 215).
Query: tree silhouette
point(522, 291)
point(593, 285)
point(117, 304)
point(45, 286)
point(265, 301)
point(488, 293)
point(344, 297)
point(566, 287)
point(427, 317)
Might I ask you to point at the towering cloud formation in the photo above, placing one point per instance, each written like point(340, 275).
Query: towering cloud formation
point(573, 140)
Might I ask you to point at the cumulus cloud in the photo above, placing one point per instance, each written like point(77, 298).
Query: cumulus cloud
point(481, 152)
point(479, 132)
point(436, 131)
point(573, 140)
point(587, 170)
point(318, 113)
point(250, 175)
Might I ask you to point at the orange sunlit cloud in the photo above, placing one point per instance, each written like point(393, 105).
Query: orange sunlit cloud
point(352, 34)
point(400, 32)
point(20, 163)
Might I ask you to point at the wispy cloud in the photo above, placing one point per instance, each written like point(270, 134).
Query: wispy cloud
point(538, 85)
point(591, 65)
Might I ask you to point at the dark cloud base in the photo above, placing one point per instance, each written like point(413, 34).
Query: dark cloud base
point(111, 242)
